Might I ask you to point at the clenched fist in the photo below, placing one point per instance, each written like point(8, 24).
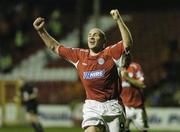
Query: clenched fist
point(115, 14)
point(39, 23)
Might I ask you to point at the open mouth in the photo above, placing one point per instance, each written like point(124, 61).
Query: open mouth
point(92, 42)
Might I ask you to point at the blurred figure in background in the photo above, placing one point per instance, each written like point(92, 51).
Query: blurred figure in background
point(132, 94)
point(169, 83)
point(28, 94)
point(54, 25)
point(98, 70)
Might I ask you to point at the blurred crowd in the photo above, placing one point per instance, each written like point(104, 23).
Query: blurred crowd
point(167, 89)
point(16, 32)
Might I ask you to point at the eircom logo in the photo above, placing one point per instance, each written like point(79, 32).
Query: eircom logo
point(93, 74)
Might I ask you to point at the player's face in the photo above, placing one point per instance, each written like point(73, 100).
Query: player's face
point(95, 39)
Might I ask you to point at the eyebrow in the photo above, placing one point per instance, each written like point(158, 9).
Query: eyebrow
point(93, 33)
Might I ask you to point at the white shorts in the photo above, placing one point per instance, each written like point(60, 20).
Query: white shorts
point(109, 113)
point(137, 116)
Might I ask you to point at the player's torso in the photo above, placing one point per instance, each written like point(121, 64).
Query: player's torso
point(131, 95)
point(26, 91)
point(98, 74)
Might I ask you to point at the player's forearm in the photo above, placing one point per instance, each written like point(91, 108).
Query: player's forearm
point(32, 96)
point(135, 82)
point(125, 33)
point(49, 41)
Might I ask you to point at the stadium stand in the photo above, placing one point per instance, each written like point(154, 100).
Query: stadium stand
point(151, 30)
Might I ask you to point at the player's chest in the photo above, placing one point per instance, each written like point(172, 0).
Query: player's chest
point(92, 64)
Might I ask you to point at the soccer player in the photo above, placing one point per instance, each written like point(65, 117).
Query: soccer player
point(98, 70)
point(28, 94)
point(132, 95)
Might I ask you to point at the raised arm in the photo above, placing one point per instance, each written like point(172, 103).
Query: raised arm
point(50, 42)
point(125, 33)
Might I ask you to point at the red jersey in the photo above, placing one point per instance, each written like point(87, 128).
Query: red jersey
point(131, 95)
point(99, 74)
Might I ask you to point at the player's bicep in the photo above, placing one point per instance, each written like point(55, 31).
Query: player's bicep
point(126, 60)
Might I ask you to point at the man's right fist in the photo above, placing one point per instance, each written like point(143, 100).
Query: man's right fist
point(39, 23)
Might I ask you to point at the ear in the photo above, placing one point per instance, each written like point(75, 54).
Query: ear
point(104, 43)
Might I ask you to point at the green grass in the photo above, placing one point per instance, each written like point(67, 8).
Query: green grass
point(28, 129)
point(59, 129)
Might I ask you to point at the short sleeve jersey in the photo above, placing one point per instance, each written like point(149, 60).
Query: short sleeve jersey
point(98, 74)
point(131, 95)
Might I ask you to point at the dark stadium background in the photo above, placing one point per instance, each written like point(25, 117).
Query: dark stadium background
point(154, 25)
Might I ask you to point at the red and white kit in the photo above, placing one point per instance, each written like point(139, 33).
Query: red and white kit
point(99, 75)
point(133, 99)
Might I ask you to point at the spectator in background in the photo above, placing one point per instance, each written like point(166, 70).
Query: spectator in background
point(132, 94)
point(54, 24)
point(20, 40)
point(172, 63)
point(28, 94)
point(169, 85)
point(5, 61)
point(20, 26)
point(97, 68)
point(5, 54)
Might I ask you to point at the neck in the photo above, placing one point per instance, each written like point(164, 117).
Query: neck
point(95, 51)
point(92, 53)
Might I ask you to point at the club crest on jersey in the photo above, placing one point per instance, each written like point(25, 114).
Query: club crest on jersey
point(101, 61)
point(93, 74)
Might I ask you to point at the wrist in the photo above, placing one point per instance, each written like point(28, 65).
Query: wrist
point(41, 30)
